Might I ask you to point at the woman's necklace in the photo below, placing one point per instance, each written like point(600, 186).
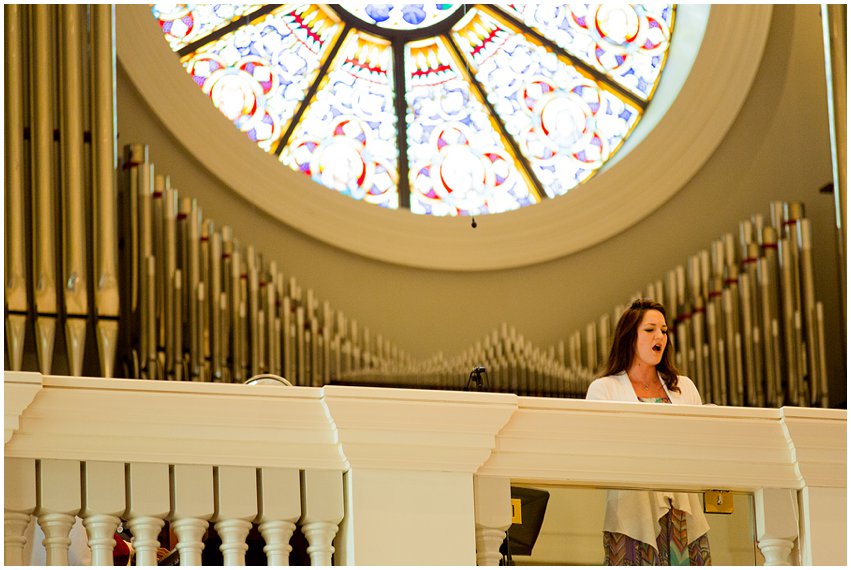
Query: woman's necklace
point(645, 385)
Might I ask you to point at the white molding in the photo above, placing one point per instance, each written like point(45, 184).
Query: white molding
point(575, 442)
point(818, 439)
point(623, 444)
point(420, 430)
point(669, 156)
point(189, 423)
point(19, 390)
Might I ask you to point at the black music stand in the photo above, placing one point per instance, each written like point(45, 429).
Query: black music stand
point(520, 538)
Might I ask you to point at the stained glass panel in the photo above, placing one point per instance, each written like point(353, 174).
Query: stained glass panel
point(346, 139)
point(458, 162)
point(565, 123)
point(627, 42)
point(400, 16)
point(184, 23)
point(496, 116)
point(259, 74)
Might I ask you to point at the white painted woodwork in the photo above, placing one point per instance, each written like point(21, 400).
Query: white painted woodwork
point(277, 534)
point(401, 515)
point(584, 442)
point(233, 533)
point(279, 507)
point(103, 502)
point(57, 540)
point(320, 536)
point(19, 501)
point(420, 448)
point(236, 493)
point(19, 492)
point(818, 442)
point(14, 525)
point(19, 389)
point(100, 530)
point(776, 512)
point(492, 504)
point(183, 422)
point(321, 512)
point(235, 508)
point(148, 503)
point(192, 506)
point(190, 532)
point(145, 530)
point(824, 531)
point(58, 501)
point(103, 489)
point(387, 428)
point(488, 541)
point(58, 486)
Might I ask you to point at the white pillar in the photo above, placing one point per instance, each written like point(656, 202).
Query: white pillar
point(492, 503)
point(19, 502)
point(322, 511)
point(58, 501)
point(394, 516)
point(193, 505)
point(148, 503)
point(103, 503)
point(279, 502)
point(776, 525)
point(824, 530)
point(235, 508)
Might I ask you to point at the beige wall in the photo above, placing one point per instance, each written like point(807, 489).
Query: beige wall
point(776, 150)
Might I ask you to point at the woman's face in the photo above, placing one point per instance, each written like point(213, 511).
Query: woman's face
point(651, 338)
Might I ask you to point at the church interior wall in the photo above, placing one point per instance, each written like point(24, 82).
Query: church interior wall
point(776, 150)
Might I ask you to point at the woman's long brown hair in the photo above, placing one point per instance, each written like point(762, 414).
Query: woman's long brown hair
point(623, 345)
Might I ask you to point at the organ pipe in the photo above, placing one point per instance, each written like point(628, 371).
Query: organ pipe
point(43, 184)
point(104, 165)
point(15, 238)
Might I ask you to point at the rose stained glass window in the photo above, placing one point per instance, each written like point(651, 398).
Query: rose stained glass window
point(441, 109)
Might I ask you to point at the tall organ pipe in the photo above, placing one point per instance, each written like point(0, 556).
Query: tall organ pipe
point(74, 277)
point(15, 240)
point(44, 190)
point(104, 157)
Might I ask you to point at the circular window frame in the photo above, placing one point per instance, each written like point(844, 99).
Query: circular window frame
point(611, 202)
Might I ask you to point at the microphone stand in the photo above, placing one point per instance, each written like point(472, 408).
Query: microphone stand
point(476, 376)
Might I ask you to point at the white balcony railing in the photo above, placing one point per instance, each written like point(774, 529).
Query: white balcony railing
point(379, 476)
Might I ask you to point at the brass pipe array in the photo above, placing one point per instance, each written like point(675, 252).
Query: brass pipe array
point(202, 306)
point(742, 314)
point(513, 364)
point(124, 259)
point(60, 197)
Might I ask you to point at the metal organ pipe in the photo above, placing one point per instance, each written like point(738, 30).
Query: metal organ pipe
point(16, 272)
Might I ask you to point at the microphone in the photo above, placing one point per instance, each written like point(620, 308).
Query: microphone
point(476, 379)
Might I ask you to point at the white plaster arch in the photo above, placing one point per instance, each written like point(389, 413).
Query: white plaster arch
point(617, 198)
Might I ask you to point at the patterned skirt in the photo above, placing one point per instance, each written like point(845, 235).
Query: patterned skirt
point(671, 546)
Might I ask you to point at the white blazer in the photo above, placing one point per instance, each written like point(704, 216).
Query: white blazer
point(636, 513)
point(618, 388)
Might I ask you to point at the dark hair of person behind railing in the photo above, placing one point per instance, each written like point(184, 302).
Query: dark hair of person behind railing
point(623, 344)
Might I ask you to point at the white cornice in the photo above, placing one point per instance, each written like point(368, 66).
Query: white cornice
point(622, 444)
point(19, 390)
point(177, 422)
point(818, 440)
point(638, 184)
point(423, 430)
point(573, 442)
